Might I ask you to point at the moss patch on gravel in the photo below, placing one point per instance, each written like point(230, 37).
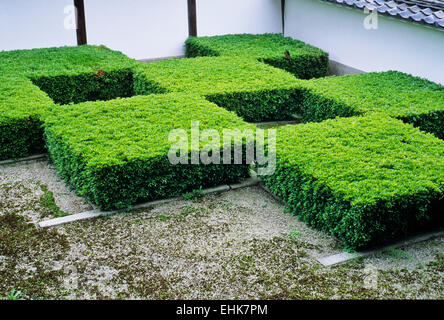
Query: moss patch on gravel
point(26, 257)
point(234, 245)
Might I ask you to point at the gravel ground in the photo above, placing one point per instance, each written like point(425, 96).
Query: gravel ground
point(37, 181)
point(234, 245)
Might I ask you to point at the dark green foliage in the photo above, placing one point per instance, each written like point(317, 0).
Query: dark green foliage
point(92, 86)
point(66, 74)
point(253, 90)
point(304, 61)
point(21, 104)
point(412, 99)
point(116, 152)
point(365, 180)
point(194, 194)
point(66, 61)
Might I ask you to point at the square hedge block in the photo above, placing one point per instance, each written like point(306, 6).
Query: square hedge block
point(255, 91)
point(399, 95)
point(300, 59)
point(365, 180)
point(33, 80)
point(116, 153)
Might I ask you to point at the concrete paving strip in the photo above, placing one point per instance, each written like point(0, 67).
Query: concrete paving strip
point(34, 157)
point(98, 213)
point(277, 123)
point(72, 218)
point(247, 183)
point(347, 256)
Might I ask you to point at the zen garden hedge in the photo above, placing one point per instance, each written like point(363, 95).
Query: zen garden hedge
point(367, 167)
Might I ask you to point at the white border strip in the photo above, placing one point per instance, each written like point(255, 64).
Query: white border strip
point(347, 256)
point(34, 157)
point(98, 213)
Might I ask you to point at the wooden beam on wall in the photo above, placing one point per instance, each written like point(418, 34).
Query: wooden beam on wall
point(81, 22)
point(283, 16)
point(192, 18)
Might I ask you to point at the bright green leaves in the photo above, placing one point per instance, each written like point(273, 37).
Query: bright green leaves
point(253, 90)
point(412, 99)
point(116, 152)
point(364, 179)
point(302, 60)
point(66, 74)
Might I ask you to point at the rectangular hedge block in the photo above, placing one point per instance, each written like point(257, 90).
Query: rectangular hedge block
point(365, 180)
point(402, 96)
point(115, 153)
point(67, 75)
point(255, 91)
point(304, 61)
point(21, 105)
point(62, 61)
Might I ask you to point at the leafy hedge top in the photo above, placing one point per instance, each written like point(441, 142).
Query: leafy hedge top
point(263, 46)
point(206, 75)
point(62, 61)
point(364, 159)
point(137, 128)
point(396, 93)
point(20, 99)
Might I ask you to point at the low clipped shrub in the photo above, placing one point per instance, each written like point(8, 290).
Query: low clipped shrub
point(303, 61)
point(253, 90)
point(115, 153)
point(66, 75)
point(21, 105)
point(399, 95)
point(97, 85)
point(365, 180)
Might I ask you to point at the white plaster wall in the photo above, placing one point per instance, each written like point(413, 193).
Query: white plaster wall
point(395, 45)
point(216, 17)
point(142, 29)
point(28, 24)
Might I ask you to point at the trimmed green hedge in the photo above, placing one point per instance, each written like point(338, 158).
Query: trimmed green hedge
point(411, 99)
point(65, 61)
point(88, 86)
point(305, 61)
point(115, 153)
point(21, 104)
point(365, 180)
point(253, 90)
point(67, 75)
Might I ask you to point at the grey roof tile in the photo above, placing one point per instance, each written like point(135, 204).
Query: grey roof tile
point(430, 12)
point(439, 14)
point(394, 11)
point(391, 4)
point(370, 6)
point(418, 16)
point(406, 14)
point(360, 4)
point(415, 9)
point(383, 8)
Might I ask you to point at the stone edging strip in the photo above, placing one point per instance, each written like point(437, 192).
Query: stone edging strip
point(34, 157)
point(98, 213)
point(347, 256)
